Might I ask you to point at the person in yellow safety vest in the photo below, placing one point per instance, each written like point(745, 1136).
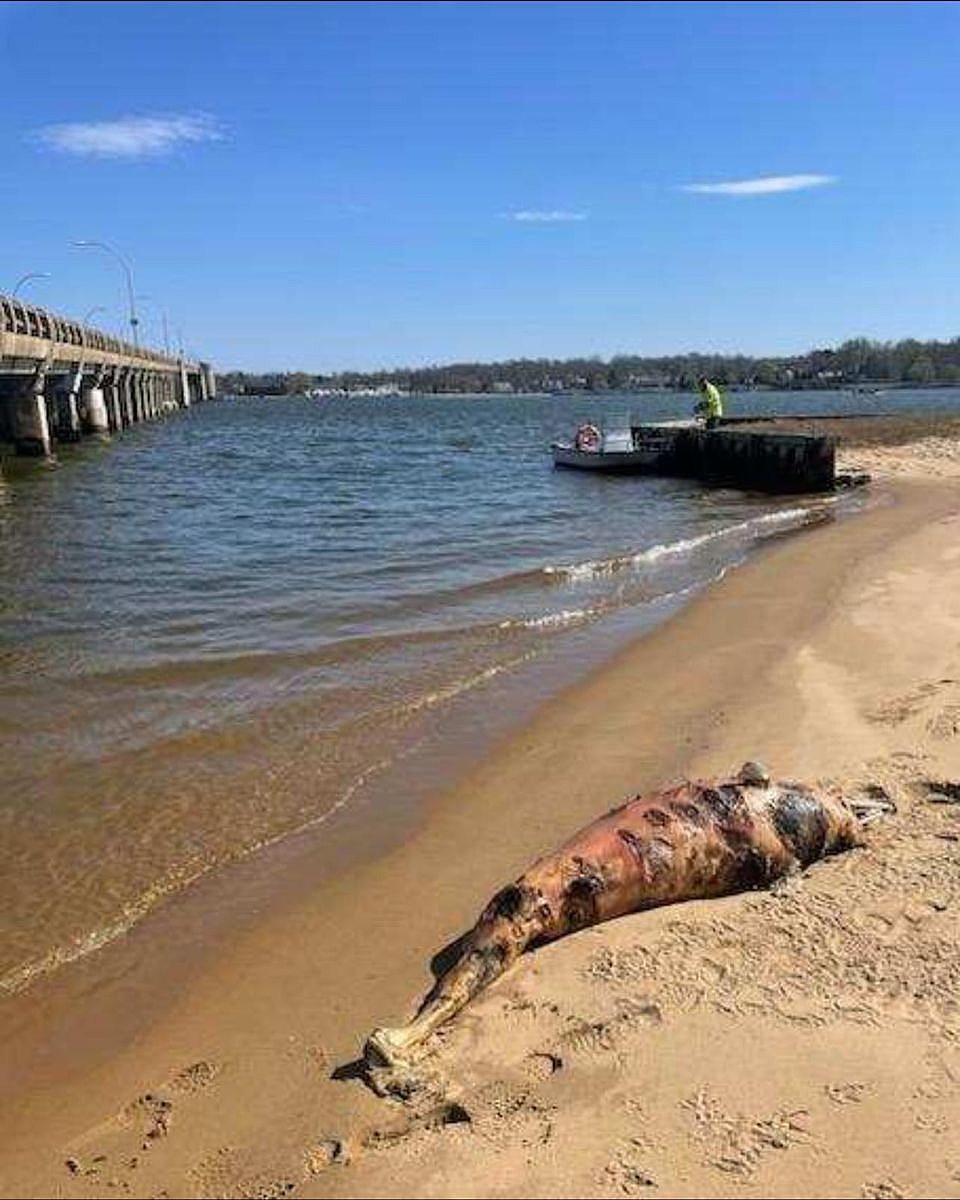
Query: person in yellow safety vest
point(710, 404)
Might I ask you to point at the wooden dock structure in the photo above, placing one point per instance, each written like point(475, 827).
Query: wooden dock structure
point(749, 459)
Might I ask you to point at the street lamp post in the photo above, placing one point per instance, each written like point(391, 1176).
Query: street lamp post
point(26, 279)
point(128, 273)
point(86, 321)
point(90, 311)
point(163, 321)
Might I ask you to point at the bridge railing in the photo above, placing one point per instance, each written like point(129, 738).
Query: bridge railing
point(30, 321)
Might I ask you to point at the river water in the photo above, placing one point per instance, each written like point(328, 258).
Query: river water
point(216, 629)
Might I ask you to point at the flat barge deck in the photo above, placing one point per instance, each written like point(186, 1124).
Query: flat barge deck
point(748, 459)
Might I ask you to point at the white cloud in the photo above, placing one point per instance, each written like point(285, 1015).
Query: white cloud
point(546, 216)
point(130, 137)
point(763, 185)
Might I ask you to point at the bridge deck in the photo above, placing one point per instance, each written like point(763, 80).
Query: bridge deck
point(29, 334)
point(60, 379)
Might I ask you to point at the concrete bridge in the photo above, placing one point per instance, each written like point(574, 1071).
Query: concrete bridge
point(60, 380)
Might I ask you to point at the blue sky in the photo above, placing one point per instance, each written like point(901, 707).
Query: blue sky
point(355, 185)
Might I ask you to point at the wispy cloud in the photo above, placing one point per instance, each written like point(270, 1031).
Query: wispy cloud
point(546, 216)
point(763, 185)
point(130, 137)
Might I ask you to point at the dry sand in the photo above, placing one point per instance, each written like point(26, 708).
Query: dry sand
point(799, 1042)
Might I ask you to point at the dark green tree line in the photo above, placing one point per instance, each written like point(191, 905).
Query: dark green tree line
point(855, 362)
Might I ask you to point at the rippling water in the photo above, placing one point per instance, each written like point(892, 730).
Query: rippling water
point(214, 629)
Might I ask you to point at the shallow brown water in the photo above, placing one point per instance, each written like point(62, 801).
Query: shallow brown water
point(221, 629)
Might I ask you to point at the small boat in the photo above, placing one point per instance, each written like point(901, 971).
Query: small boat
point(635, 449)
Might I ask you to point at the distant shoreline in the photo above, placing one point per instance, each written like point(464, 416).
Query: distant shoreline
point(870, 388)
point(856, 363)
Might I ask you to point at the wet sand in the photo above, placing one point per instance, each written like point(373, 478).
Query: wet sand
point(802, 1042)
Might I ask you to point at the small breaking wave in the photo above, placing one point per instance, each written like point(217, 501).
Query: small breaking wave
point(466, 684)
point(757, 527)
point(552, 620)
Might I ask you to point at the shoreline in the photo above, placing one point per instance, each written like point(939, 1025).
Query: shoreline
point(156, 731)
point(354, 951)
point(206, 913)
point(441, 743)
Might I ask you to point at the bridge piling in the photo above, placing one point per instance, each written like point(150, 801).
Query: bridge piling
point(140, 392)
point(184, 385)
point(96, 419)
point(66, 415)
point(209, 378)
point(130, 398)
point(143, 400)
point(133, 387)
point(123, 394)
point(31, 426)
point(111, 401)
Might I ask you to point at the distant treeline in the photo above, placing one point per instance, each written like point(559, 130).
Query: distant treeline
point(855, 362)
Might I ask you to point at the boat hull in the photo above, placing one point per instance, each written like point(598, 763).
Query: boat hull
point(605, 460)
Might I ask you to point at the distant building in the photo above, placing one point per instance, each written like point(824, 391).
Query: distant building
point(390, 388)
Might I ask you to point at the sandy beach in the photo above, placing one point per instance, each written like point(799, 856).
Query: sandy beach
point(798, 1042)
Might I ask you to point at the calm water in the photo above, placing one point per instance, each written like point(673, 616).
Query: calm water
point(214, 630)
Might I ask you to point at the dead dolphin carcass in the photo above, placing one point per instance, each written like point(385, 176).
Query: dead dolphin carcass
point(698, 839)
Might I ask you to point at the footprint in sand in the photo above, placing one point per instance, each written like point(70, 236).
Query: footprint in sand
point(884, 1189)
point(589, 1037)
point(946, 724)
point(737, 1144)
point(327, 1153)
point(196, 1077)
point(542, 1064)
point(227, 1172)
point(941, 791)
point(628, 1175)
point(119, 1143)
point(151, 1115)
point(319, 1059)
point(898, 709)
point(847, 1093)
point(901, 708)
point(602, 1037)
point(503, 1113)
